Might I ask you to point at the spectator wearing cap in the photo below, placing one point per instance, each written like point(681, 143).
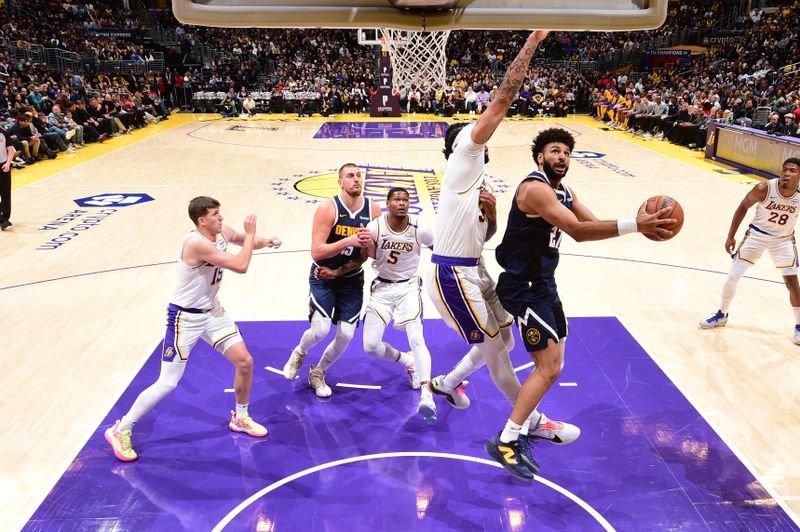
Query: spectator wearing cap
point(789, 126)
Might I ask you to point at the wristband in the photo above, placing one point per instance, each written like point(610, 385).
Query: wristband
point(626, 226)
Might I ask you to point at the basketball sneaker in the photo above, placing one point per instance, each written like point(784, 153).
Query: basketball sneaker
point(717, 320)
point(292, 366)
point(413, 377)
point(526, 455)
point(120, 441)
point(247, 425)
point(554, 431)
point(426, 407)
point(316, 379)
point(458, 398)
point(797, 334)
point(509, 455)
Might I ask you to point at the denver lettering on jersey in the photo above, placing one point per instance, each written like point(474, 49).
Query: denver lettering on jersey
point(344, 230)
point(778, 207)
point(399, 246)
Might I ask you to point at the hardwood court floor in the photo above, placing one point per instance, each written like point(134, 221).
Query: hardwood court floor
point(84, 288)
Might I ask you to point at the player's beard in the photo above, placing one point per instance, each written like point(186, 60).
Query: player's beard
point(551, 173)
point(355, 194)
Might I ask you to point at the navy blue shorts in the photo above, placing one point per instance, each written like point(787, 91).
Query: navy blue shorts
point(536, 308)
point(338, 299)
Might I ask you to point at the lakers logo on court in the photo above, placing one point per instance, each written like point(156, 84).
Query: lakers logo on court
point(423, 185)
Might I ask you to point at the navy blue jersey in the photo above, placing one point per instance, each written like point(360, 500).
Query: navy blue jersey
point(345, 224)
point(530, 244)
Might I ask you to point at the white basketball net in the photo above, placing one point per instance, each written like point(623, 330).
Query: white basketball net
point(418, 57)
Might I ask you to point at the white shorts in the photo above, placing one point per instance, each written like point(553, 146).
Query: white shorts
point(466, 299)
point(184, 328)
point(782, 249)
point(401, 302)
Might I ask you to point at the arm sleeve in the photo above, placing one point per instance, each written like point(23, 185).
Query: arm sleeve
point(425, 235)
point(373, 229)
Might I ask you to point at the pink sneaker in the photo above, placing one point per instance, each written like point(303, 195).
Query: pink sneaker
point(247, 425)
point(120, 441)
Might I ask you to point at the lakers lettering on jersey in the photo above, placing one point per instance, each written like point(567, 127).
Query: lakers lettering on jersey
point(397, 253)
point(777, 215)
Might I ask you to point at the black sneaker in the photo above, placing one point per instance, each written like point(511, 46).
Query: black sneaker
point(509, 456)
point(527, 455)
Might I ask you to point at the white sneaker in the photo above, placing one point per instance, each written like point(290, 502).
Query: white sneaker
point(70, 134)
point(426, 407)
point(316, 379)
point(717, 320)
point(293, 365)
point(413, 376)
point(555, 431)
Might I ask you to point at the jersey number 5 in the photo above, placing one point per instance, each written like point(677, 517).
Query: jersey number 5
point(393, 256)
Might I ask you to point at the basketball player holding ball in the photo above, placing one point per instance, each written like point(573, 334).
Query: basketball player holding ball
point(544, 208)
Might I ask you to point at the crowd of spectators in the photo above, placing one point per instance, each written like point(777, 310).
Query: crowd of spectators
point(329, 72)
point(751, 81)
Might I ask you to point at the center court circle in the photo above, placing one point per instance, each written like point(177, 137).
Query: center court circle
point(404, 496)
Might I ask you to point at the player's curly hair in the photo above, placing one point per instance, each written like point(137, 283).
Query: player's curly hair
point(791, 160)
point(547, 136)
point(450, 137)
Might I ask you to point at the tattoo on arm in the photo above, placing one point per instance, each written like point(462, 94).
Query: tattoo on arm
point(516, 72)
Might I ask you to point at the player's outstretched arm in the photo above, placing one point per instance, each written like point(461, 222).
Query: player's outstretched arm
point(535, 197)
point(201, 250)
point(757, 194)
point(235, 237)
point(508, 90)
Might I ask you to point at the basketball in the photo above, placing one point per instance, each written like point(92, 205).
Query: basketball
point(655, 204)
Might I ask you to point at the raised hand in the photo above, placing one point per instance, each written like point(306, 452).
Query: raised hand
point(250, 224)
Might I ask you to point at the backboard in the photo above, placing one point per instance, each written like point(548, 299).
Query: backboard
point(426, 15)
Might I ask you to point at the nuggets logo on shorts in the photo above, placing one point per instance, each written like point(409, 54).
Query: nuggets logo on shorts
point(533, 336)
point(169, 352)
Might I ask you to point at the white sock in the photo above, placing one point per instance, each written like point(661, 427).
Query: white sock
point(422, 357)
point(318, 329)
point(738, 269)
point(344, 333)
point(241, 410)
point(405, 359)
point(171, 373)
point(472, 362)
point(532, 421)
point(510, 432)
point(796, 311)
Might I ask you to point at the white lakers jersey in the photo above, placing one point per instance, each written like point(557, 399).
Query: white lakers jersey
point(777, 215)
point(460, 225)
point(397, 254)
point(197, 286)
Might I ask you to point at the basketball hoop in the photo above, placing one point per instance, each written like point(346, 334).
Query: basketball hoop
point(418, 57)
